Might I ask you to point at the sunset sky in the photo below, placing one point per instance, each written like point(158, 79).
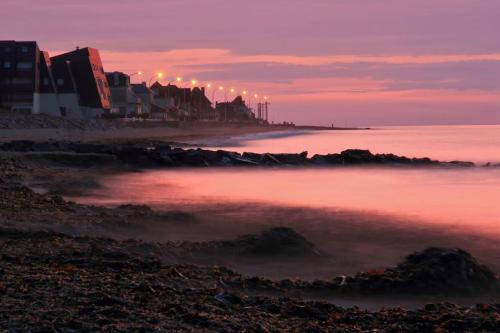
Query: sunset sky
point(348, 62)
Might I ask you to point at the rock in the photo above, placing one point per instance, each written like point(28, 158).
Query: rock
point(253, 156)
point(275, 242)
point(136, 209)
point(229, 298)
point(292, 159)
point(193, 158)
point(329, 159)
point(157, 154)
point(270, 159)
point(432, 271)
point(357, 156)
point(235, 159)
point(446, 269)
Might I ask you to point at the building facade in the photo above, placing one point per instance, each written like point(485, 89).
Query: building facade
point(142, 91)
point(123, 99)
point(19, 75)
point(236, 110)
point(71, 85)
point(83, 69)
point(184, 103)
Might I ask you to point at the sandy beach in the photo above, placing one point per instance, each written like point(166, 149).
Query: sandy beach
point(42, 128)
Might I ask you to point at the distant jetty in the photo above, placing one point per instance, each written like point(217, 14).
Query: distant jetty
point(164, 155)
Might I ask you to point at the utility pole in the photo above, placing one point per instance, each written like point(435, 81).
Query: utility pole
point(266, 110)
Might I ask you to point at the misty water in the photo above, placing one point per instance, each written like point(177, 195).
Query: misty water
point(362, 216)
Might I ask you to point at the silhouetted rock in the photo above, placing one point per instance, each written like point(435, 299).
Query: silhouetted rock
point(434, 270)
point(143, 155)
point(274, 242)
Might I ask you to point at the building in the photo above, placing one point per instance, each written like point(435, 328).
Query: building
point(71, 85)
point(123, 99)
point(160, 113)
point(87, 75)
point(58, 94)
point(142, 91)
point(185, 103)
point(19, 75)
point(235, 110)
point(202, 107)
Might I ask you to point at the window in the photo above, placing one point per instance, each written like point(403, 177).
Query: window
point(24, 49)
point(60, 82)
point(7, 49)
point(24, 65)
point(20, 80)
point(45, 81)
point(7, 64)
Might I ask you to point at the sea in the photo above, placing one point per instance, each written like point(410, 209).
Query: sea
point(361, 217)
point(455, 197)
point(358, 217)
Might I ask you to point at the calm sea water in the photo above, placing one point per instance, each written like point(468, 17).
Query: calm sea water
point(458, 198)
point(479, 144)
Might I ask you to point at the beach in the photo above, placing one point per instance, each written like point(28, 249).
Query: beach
point(41, 127)
point(129, 230)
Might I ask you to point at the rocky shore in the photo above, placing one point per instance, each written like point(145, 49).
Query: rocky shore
point(54, 282)
point(72, 267)
point(157, 154)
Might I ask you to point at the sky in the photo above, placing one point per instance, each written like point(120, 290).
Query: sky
point(346, 62)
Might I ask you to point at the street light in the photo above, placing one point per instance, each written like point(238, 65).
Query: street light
point(136, 73)
point(193, 84)
point(221, 88)
point(158, 75)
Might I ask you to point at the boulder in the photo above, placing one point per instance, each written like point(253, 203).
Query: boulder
point(329, 159)
point(292, 159)
point(275, 242)
point(253, 156)
point(432, 271)
point(353, 156)
point(193, 158)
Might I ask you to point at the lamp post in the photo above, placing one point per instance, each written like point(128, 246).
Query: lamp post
point(231, 92)
point(157, 75)
point(136, 73)
point(209, 114)
point(244, 93)
point(193, 85)
point(255, 97)
point(266, 109)
point(221, 88)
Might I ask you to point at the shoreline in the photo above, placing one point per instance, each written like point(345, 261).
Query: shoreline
point(43, 128)
point(92, 257)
